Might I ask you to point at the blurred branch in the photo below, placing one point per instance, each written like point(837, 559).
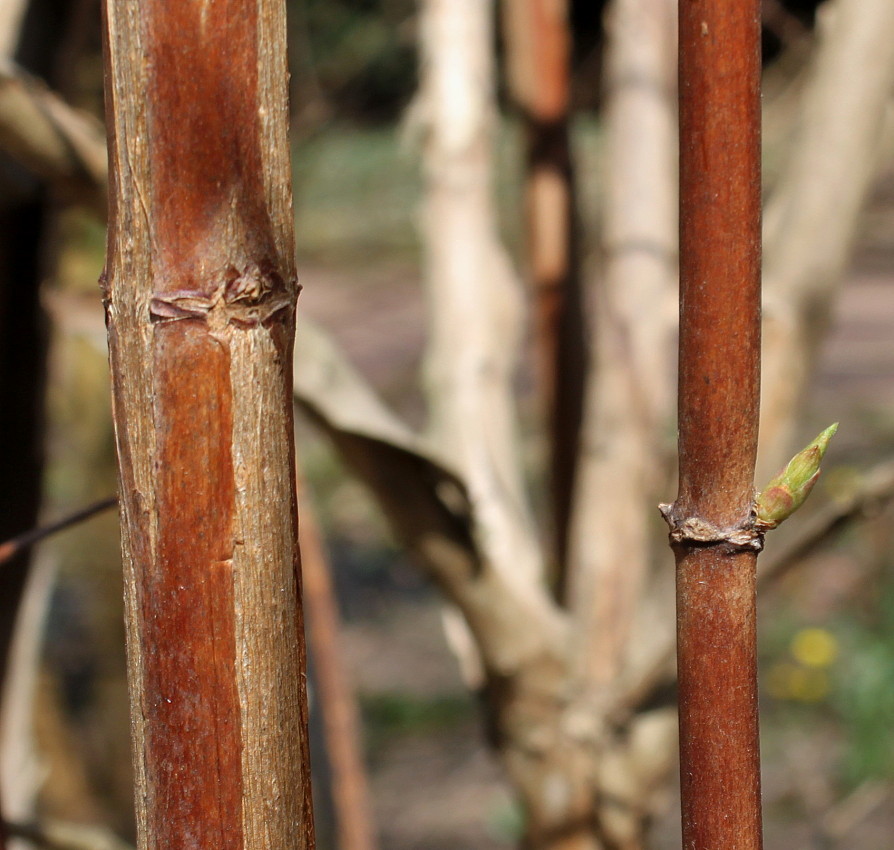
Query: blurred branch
point(23, 541)
point(811, 218)
point(58, 835)
point(475, 309)
point(11, 14)
point(537, 36)
point(426, 503)
point(60, 144)
point(842, 817)
point(348, 783)
point(624, 456)
point(782, 23)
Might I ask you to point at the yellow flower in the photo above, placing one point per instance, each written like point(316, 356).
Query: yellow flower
point(814, 647)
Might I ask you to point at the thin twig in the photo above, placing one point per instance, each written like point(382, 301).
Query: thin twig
point(23, 541)
point(355, 825)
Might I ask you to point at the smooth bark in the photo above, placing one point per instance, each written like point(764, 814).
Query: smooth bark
point(719, 393)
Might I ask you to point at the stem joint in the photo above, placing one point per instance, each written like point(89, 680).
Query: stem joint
point(697, 531)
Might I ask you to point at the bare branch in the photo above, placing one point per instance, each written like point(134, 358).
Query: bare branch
point(62, 145)
point(58, 835)
point(200, 288)
point(810, 220)
point(628, 396)
point(474, 299)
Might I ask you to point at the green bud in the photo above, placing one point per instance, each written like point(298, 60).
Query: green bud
point(787, 490)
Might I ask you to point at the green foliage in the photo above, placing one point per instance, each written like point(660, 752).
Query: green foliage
point(837, 676)
point(507, 822)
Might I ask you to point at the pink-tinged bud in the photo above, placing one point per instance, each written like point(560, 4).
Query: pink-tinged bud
point(787, 491)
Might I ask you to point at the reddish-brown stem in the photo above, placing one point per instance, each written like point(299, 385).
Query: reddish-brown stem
point(355, 828)
point(539, 46)
point(718, 409)
point(200, 290)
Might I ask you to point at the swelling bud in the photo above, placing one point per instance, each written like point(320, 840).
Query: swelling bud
point(787, 490)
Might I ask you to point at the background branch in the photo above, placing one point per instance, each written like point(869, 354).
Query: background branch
point(426, 503)
point(629, 399)
point(58, 835)
point(64, 146)
point(811, 218)
point(474, 300)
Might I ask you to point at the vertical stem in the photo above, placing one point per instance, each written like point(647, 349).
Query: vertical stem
point(539, 45)
point(718, 410)
point(355, 826)
point(200, 289)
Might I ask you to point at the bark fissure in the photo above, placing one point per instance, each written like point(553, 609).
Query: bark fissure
point(200, 292)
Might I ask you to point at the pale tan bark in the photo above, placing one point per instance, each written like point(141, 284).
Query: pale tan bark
point(21, 770)
point(11, 14)
point(623, 461)
point(60, 835)
point(811, 218)
point(474, 298)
